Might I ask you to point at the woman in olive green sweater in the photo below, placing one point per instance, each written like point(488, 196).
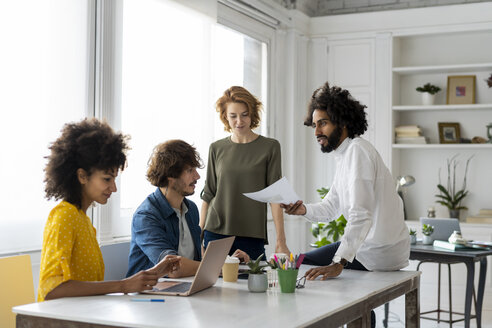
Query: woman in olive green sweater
point(243, 162)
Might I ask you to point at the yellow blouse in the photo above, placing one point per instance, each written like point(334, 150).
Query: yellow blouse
point(70, 249)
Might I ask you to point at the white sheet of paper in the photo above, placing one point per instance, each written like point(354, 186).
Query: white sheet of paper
point(279, 192)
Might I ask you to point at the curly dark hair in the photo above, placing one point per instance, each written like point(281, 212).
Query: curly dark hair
point(237, 94)
point(169, 159)
point(90, 145)
point(343, 110)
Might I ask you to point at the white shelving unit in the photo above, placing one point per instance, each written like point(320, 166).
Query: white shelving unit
point(431, 58)
point(443, 68)
point(442, 107)
point(443, 147)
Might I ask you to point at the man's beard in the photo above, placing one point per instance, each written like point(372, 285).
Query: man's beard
point(180, 187)
point(333, 140)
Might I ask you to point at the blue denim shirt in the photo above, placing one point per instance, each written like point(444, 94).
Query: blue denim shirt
point(155, 232)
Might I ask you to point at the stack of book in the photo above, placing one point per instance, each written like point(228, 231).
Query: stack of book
point(483, 216)
point(468, 245)
point(409, 134)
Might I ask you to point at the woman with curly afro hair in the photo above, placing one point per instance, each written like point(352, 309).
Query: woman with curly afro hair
point(81, 170)
point(363, 191)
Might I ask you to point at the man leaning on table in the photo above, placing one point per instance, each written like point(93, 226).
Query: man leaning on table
point(166, 223)
point(376, 237)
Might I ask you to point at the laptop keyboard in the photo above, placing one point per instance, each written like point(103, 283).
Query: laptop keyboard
point(179, 288)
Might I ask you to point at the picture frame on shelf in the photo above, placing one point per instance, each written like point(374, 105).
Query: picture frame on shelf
point(449, 133)
point(461, 89)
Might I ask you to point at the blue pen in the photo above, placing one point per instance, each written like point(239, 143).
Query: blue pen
point(147, 300)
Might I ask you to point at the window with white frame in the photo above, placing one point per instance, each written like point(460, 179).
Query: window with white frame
point(175, 64)
point(44, 83)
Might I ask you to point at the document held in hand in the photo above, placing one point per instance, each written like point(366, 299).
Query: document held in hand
point(279, 192)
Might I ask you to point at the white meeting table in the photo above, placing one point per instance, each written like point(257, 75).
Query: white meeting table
point(331, 303)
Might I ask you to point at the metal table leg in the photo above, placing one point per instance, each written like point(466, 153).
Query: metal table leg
point(470, 275)
point(481, 289)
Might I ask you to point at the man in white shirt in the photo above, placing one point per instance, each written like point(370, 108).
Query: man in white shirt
point(363, 190)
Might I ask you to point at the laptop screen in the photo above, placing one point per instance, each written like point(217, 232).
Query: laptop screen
point(443, 228)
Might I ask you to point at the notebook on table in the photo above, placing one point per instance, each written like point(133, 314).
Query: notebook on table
point(206, 275)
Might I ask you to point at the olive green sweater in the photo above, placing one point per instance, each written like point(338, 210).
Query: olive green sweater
point(234, 169)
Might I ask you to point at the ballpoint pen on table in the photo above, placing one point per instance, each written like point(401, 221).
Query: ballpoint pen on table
point(147, 300)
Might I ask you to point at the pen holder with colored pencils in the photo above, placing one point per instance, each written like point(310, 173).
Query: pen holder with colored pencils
point(287, 280)
point(287, 269)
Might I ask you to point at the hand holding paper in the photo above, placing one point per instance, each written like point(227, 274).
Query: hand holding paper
point(279, 192)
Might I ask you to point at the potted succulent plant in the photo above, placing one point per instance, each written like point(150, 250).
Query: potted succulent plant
point(428, 93)
point(427, 231)
point(257, 279)
point(413, 236)
point(449, 196)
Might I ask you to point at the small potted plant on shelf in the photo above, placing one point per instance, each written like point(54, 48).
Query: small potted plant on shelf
point(428, 93)
point(413, 236)
point(449, 196)
point(427, 231)
point(489, 81)
point(257, 279)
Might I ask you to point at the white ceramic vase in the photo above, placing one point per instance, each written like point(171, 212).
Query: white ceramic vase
point(413, 239)
point(427, 240)
point(428, 99)
point(257, 283)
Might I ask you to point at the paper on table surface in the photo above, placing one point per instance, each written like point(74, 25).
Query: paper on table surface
point(279, 192)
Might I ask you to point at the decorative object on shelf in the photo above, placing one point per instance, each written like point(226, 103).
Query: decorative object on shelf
point(489, 81)
point(327, 233)
point(428, 93)
point(484, 216)
point(413, 236)
point(478, 140)
point(461, 89)
point(409, 134)
point(449, 196)
point(449, 133)
point(427, 231)
point(402, 182)
point(489, 132)
point(257, 279)
point(431, 212)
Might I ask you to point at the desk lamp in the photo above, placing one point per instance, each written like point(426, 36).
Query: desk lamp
point(401, 182)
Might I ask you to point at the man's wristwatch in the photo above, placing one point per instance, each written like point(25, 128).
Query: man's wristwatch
point(339, 260)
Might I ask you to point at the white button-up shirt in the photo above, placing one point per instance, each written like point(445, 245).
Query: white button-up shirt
point(364, 192)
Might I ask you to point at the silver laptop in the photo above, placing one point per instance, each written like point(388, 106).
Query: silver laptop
point(206, 275)
point(443, 228)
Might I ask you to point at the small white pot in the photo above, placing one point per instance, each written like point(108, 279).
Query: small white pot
point(427, 240)
point(257, 283)
point(428, 99)
point(413, 239)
